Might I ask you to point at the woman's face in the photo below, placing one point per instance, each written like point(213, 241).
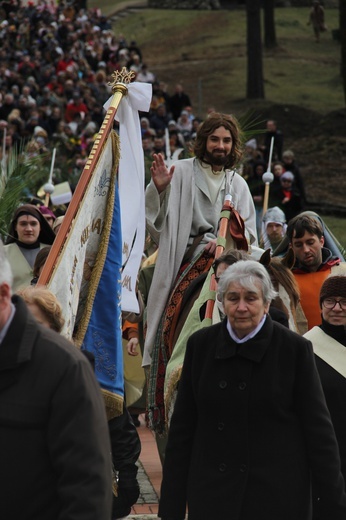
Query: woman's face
point(38, 315)
point(244, 308)
point(278, 170)
point(337, 315)
point(28, 229)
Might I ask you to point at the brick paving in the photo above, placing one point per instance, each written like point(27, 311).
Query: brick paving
point(149, 476)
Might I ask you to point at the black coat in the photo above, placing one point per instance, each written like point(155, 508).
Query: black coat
point(334, 388)
point(249, 424)
point(54, 439)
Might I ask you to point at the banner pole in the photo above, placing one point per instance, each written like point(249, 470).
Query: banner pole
point(119, 89)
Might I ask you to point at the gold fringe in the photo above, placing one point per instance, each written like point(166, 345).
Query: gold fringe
point(113, 403)
point(171, 390)
point(114, 486)
point(102, 252)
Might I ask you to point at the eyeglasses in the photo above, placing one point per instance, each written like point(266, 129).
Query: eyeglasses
point(329, 303)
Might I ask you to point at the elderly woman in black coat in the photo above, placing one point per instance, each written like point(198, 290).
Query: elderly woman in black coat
point(250, 428)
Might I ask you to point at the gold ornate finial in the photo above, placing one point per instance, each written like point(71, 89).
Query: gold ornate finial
point(124, 77)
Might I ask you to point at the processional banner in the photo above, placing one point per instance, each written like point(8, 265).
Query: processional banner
point(87, 277)
point(92, 268)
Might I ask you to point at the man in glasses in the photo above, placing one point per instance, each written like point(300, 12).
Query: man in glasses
point(314, 263)
point(329, 342)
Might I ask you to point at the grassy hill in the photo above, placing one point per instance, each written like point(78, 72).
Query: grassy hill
point(206, 51)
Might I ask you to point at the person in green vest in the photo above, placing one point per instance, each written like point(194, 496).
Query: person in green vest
point(28, 233)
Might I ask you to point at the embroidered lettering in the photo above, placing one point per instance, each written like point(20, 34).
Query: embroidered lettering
point(127, 282)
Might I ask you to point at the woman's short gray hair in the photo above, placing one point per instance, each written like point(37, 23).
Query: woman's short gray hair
point(246, 273)
point(5, 268)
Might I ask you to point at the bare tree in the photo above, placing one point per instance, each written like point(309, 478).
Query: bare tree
point(255, 85)
point(269, 24)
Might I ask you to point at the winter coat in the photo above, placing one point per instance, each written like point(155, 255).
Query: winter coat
point(249, 425)
point(54, 438)
point(332, 337)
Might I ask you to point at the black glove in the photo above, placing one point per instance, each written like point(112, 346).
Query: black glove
point(128, 493)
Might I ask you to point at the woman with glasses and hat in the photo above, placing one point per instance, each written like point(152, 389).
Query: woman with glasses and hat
point(29, 232)
point(329, 344)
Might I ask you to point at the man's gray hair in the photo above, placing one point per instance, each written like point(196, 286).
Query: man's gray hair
point(5, 268)
point(246, 273)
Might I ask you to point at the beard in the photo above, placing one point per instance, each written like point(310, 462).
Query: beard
point(215, 160)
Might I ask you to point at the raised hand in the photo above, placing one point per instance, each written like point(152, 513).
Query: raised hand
point(160, 174)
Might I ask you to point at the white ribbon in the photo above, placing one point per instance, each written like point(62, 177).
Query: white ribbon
point(131, 187)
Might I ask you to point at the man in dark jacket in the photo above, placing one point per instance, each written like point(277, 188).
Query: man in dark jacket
point(178, 101)
point(273, 132)
point(54, 438)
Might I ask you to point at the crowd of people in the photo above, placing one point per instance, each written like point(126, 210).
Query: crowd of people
point(55, 64)
point(250, 422)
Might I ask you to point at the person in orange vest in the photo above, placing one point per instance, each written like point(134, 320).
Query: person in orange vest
point(314, 263)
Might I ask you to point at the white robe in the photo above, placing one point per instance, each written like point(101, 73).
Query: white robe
point(174, 217)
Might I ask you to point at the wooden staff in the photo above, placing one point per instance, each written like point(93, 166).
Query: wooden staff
point(49, 187)
point(119, 88)
point(223, 229)
point(268, 178)
point(168, 148)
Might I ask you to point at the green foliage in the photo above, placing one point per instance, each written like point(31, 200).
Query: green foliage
point(19, 182)
point(251, 125)
point(337, 225)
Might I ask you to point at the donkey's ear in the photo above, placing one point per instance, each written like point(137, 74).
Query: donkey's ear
point(265, 258)
point(289, 259)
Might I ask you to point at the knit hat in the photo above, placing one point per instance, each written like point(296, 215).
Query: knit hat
point(40, 132)
point(58, 222)
point(288, 154)
point(47, 212)
point(333, 286)
point(252, 143)
point(287, 175)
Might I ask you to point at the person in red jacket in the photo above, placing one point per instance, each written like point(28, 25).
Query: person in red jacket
point(75, 106)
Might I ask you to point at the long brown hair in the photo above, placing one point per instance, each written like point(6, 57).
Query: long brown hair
point(214, 121)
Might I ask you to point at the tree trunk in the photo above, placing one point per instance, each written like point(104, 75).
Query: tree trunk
point(342, 18)
point(255, 86)
point(269, 24)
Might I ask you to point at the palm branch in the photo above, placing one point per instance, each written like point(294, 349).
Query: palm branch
point(19, 180)
point(251, 125)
